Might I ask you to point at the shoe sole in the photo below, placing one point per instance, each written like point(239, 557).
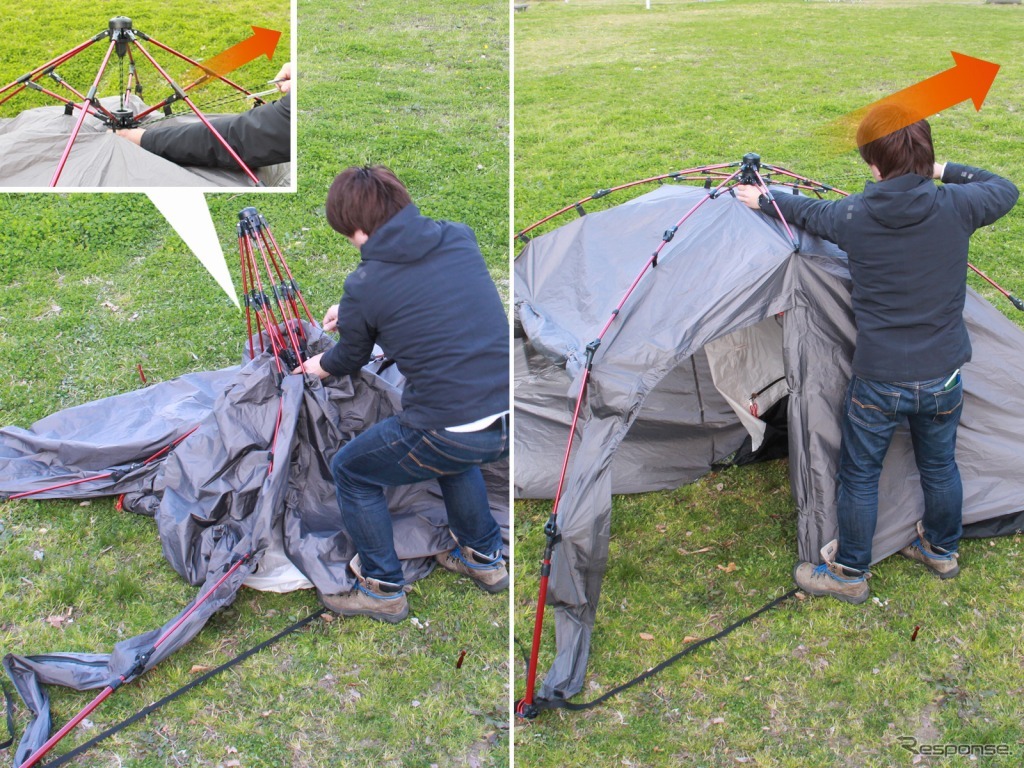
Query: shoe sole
point(498, 586)
point(852, 599)
point(390, 618)
point(940, 574)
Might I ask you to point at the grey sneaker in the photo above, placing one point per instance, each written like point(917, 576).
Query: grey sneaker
point(379, 600)
point(831, 578)
point(489, 573)
point(945, 564)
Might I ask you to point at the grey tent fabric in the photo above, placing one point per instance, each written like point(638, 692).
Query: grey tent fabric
point(215, 499)
point(32, 142)
point(653, 417)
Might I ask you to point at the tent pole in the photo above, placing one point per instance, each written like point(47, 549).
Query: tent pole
point(116, 474)
point(54, 62)
point(771, 198)
point(65, 100)
point(526, 707)
point(181, 95)
point(703, 169)
point(208, 72)
point(291, 278)
point(140, 667)
point(81, 118)
point(252, 235)
point(262, 303)
point(1013, 299)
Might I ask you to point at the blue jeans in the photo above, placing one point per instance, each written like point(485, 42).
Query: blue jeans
point(390, 454)
point(872, 412)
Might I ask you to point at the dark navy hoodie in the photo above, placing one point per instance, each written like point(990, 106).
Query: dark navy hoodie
point(423, 293)
point(907, 242)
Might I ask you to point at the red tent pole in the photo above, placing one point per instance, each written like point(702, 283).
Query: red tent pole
point(139, 668)
point(51, 63)
point(289, 273)
point(526, 707)
point(209, 72)
point(65, 100)
point(181, 94)
point(1013, 299)
point(81, 118)
point(603, 192)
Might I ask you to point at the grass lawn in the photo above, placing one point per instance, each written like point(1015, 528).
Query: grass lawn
point(93, 285)
point(607, 92)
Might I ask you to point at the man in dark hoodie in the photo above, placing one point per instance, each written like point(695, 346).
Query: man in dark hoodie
point(422, 292)
point(907, 243)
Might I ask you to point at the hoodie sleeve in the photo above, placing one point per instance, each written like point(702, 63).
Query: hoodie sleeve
point(261, 136)
point(819, 217)
point(355, 346)
point(981, 195)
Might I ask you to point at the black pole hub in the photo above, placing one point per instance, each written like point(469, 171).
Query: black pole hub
point(250, 221)
point(749, 168)
point(122, 33)
point(123, 118)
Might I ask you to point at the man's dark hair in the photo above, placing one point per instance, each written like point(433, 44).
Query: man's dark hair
point(363, 198)
point(888, 140)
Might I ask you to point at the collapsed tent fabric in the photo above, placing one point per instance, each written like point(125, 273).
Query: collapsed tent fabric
point(729, 308)
point(213, 499)
point(31, 145)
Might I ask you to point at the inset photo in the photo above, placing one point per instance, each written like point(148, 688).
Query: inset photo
point(161, 94)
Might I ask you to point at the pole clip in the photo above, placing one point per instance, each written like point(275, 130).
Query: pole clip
point(118, 474)
point(592, 348)
point(140, 666)
point(600, 193)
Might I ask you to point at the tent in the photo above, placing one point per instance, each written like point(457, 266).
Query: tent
point(731, 323)
point(232, 466)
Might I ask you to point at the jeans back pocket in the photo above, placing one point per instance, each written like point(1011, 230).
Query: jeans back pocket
point(870, 405)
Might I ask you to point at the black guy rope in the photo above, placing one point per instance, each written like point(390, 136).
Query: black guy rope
point(541, 704)
point(146, 711)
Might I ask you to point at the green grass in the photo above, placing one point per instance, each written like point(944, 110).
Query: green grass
point(606, 92)
point(93, 285)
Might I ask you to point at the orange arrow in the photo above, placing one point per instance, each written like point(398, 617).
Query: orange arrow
point(262, 43)
point(970, 78)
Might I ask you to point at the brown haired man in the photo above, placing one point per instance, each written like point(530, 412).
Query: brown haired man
point(907, 241)
point(423, 293)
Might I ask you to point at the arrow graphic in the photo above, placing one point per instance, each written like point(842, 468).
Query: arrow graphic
point(969, 78)
point(262, 43)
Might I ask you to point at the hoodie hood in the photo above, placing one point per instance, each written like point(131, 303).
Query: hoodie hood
point(405, 237)
point(900, 202)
